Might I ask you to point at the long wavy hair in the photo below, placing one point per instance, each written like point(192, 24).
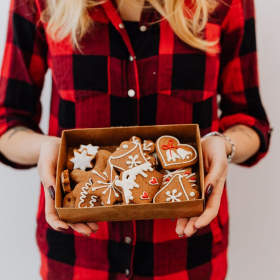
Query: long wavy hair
point(71, 18)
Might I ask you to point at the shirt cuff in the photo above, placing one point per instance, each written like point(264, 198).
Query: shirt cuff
point(261, 128)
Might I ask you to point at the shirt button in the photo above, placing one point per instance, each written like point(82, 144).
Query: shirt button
point(127, 240)
point(131, 58)
point(131, 93)
point(126, 272)
point(121, 26)
point(143, 28)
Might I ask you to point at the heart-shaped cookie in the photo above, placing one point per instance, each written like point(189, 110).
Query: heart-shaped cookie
point(173, 155)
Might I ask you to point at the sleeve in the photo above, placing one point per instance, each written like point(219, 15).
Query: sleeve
point(23, 70)
point(238, 82)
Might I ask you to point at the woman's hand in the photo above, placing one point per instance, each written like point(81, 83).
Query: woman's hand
point(215, 151)
point(47, 172)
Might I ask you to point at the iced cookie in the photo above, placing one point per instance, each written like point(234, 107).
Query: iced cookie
point(173, 155)
point(80, 160)
point(177, 186)
point(65, 181)
point(139, 184)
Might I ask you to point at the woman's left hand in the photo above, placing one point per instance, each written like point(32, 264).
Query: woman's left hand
point(215, 151)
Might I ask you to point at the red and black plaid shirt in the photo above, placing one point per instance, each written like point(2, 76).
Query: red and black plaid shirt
point(169, 83)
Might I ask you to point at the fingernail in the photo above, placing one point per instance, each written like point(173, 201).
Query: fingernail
point(172, 220)
point(85, 234)
point(181, 235)
point(51, 191)
point(201, 227)
point(94, 231)
point(62, 229)
point(209, 190)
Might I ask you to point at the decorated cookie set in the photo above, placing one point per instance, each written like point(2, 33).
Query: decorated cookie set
point(137, 172)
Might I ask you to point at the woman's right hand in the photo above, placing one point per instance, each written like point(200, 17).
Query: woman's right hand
point(47, 171)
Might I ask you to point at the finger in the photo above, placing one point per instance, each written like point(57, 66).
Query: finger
point(212, 206)
point(190, 229)
point(94, 227)
point(84, 229)
point(181, 224)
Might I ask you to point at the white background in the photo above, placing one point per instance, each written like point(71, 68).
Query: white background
point(254, 251)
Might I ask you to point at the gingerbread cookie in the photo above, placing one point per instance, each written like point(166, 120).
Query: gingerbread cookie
point(129, 155)
point(80, 160)
point(173, 155)
point(91, 150)
point(139, 184)
point(178, 185)
point(65, 181)
point(69, 200)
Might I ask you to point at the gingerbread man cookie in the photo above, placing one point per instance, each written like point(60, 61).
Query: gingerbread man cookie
point(173, 155)
point(139, 184)
point(177, 186)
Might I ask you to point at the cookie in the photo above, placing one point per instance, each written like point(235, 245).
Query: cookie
point(65, 181)
point(91, 150)
point(80, 160)
point(129, 155)
point(177, 186)
point(173, 155)
point(139, 184)
point(69, 201)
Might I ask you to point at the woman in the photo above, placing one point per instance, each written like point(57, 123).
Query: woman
point(133, 63)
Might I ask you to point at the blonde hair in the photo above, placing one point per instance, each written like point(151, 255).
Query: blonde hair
point(71, 18)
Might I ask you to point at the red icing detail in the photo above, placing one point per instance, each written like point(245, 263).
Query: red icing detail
point(187, 173)
point(169, 146)
point(167, 179)
point(144, 196)
point(153, 181)
point(193, 178)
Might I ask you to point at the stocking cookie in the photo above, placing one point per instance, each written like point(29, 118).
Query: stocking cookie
point(65, 181)
point(69, 201)
point(81, 160)
point(139, 184)
point(177, 186)
point(173, 155)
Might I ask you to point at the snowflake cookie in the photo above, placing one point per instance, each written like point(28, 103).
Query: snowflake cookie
point(139, 184)
point(173, 155)
point(86, 180)
point(179, 185)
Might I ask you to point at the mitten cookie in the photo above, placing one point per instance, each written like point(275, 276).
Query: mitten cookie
point(65, 181)
point(69, 201)
point(139, 184)
point(173, 155)
point(177, 186)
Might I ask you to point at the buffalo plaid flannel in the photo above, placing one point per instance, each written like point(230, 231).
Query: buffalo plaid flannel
point(165, 82)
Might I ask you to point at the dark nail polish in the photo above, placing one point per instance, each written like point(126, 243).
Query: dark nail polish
point(172, 220)
point(62, 229)
point(84, 234)
point(51, 191)
point(209, 190)
point(94, 231)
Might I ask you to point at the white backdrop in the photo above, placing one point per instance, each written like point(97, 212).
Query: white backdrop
point(253, 193)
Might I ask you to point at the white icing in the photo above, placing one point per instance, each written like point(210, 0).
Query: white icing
point(91, 150)
point(180, 177)
point(128, 179)
point(147, 147)
point(192, 194)
point(98, 174)
point(135, 140)
point(171, 155)
point(185, 145)
point(133, 162)
point(173, 197)
point(125, 146)
point(84, 194)
point(81, 160)
point(109, 187)
point(155, 155)
point(184, 154)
